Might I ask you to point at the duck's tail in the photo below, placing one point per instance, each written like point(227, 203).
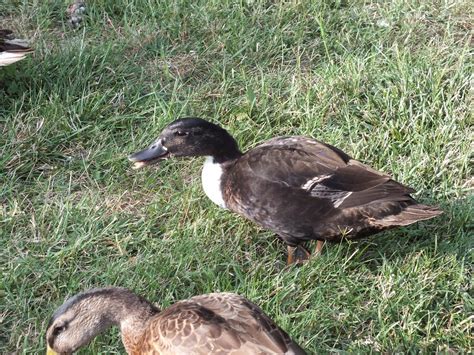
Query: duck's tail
point(410, 214)
point(12, 50)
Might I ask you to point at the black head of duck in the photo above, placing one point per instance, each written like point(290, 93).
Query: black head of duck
point(300, 188)
point(189, 137)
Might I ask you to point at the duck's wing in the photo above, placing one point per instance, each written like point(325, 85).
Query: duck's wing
point(320, 171)
point(218, 324)
point(11, 49)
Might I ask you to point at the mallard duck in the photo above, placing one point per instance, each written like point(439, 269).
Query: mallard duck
point(299, 188)
point(11, 49)
point(216, 323)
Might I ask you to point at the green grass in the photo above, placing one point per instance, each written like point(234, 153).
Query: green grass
point(386, 81)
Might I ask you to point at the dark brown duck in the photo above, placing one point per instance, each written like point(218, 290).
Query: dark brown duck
point(297, 187)
point(216, 323)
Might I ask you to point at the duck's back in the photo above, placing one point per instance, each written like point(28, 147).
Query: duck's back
point(305, 189)
point(218, 323)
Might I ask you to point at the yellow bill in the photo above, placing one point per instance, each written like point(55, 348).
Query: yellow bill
point(50, 351)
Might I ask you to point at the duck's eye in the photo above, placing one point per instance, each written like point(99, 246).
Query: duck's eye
point(58, 329)
point(181, 133)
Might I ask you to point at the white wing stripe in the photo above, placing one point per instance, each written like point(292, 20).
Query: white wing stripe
point(341, 199)
point(309, 185)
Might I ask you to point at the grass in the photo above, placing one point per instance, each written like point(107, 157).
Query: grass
point(386, 81)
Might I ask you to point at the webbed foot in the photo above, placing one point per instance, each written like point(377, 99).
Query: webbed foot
point(297, 255)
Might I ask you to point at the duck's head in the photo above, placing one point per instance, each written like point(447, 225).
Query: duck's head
point(82, 317)
point(188, 137)
point(78, 321)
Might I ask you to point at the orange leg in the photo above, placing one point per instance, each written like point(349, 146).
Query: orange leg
point(291, 255)
point(319, 247)
point(297, 255)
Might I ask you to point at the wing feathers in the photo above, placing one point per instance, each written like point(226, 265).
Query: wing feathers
point(354, 185)
point(12, 50)
point(304, 189)
point(388, 191)
point(218, 324)
point(322, 170)
point(410, 215)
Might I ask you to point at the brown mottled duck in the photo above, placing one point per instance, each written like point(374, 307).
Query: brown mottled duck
point(216, 323)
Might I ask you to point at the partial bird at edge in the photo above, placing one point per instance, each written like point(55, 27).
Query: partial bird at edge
point(216, 323)
point(12, 49)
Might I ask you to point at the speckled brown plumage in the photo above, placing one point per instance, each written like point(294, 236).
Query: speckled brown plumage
point(217, 323)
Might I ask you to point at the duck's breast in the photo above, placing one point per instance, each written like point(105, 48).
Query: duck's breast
point(211, 177)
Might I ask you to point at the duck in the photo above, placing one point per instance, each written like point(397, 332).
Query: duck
point(12, 49)
point(215, 323)
point(299, 188)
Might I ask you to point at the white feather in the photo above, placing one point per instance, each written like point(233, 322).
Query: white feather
point(308, 185)
point(211, 181)
point(10, 57)
point(340, 200)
